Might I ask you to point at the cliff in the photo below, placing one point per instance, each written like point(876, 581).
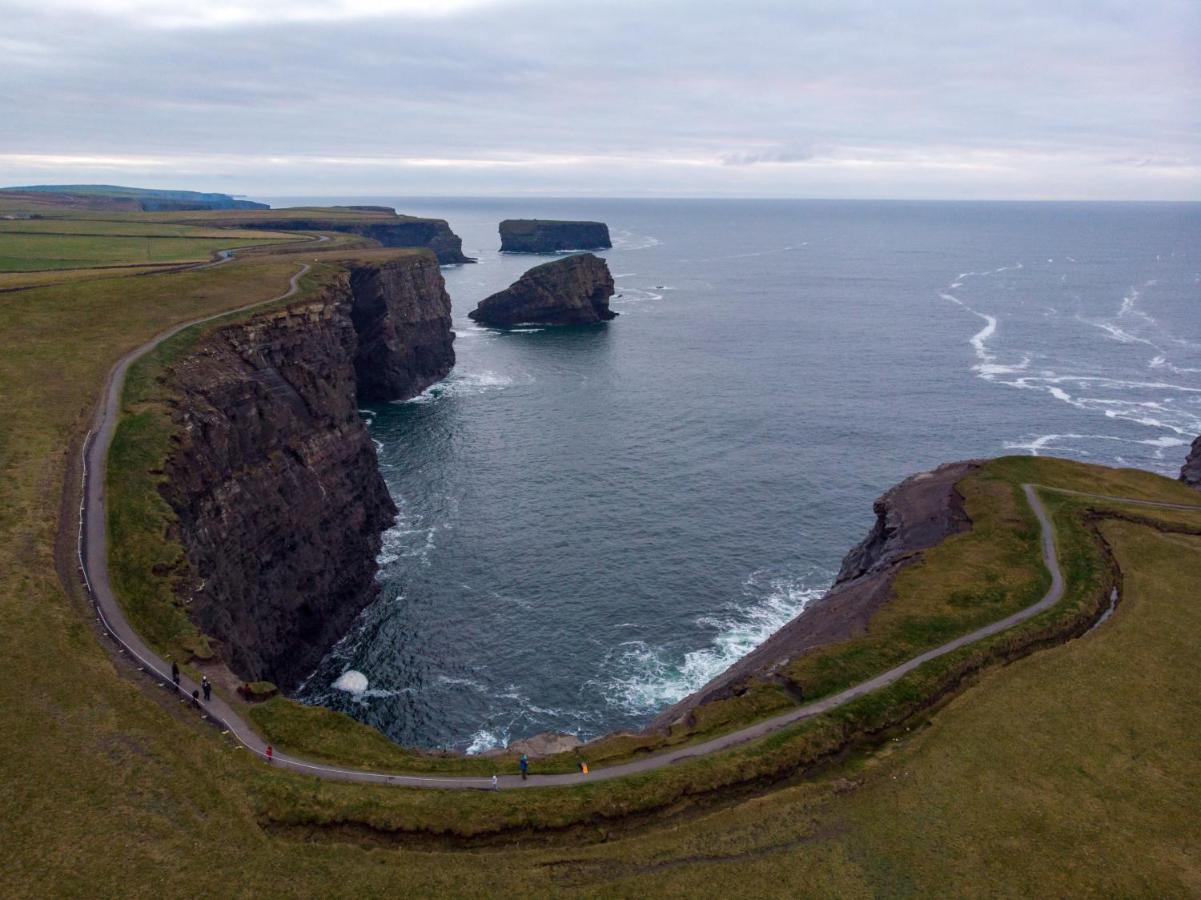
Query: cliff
point(377, 223)
point(913, 516)
point(1190, 473)
point(549, 236)
point(574, 290)
point(273, 475)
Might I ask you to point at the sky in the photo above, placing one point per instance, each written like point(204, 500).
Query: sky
point(992, 99)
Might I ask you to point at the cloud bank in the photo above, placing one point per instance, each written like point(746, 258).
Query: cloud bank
point(703, 98)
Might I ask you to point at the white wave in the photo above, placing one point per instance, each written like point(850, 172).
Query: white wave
point(1161, 362)
point(629, 240)
point(1045, 440)
point(484, 740)
point(525, 330)
point(1118, 334)
point(352, 681)
point(648, 678)
point(979, 340)
point(463, 682)
point(635, 295)
point(461, 384)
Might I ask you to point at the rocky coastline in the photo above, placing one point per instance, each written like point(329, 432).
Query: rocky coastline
point(920, 512)
point(388, 230)
point(574, 290)
point(272, 475)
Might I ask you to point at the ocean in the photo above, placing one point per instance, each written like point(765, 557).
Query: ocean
point(595, 521)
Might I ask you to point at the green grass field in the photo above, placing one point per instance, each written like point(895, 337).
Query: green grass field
point(34, 252)
point(1069, 771)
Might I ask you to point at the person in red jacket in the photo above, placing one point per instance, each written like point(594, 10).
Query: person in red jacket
point(270, 753)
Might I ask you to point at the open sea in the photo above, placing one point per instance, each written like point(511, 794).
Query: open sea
point(595, 521)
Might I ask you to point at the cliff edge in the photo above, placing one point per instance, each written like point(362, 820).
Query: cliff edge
point(574, 290)
point(1190, 472)
point(916, 514)
point(272, 474)
point(552, 235)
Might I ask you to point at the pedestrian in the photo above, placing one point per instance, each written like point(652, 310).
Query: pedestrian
point(270, 753)
point(495, 783)
point(175, 672)
point(525, 766)
point(196, 699)
point(207, 687)
point(583, 767)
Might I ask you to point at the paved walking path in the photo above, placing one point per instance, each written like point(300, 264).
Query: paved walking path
point(93, 558)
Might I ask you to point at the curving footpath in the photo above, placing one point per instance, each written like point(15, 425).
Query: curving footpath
point(93, 561)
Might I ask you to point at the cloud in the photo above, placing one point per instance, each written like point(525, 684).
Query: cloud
point(774, 97)
point(186, 14)
point(753, 158)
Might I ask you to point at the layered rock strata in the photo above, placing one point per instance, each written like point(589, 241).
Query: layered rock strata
point(1190, 473)
point(574, 290)
point(550, 236)
point(915, 515)
point(272, 474)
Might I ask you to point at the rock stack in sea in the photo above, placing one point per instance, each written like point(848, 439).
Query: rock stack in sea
point(552, 235)
point(574, 290)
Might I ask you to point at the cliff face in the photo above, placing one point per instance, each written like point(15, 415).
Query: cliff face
point(396, 231)
point(574, 290)
point(1190, 473)
point(273, 475)
point(434, 234)
point(401, 315)
point(549, 236)
point(916, 514)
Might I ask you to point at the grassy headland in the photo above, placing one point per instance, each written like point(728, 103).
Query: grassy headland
point(1068, 771)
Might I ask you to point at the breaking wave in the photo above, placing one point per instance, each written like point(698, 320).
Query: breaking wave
point(649, 678)
point(461, 384)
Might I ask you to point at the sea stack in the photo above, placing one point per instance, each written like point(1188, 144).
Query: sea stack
point(1190, 474)
point(551, 236)
point(574, 290)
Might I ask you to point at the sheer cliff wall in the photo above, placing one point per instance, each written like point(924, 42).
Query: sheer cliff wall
point(273, 476)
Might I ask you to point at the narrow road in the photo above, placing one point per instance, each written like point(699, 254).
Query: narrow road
point(93, 559)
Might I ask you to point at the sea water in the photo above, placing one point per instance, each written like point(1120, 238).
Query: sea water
point(595, 521)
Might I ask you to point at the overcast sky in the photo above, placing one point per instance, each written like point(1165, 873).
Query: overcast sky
point(767, 98)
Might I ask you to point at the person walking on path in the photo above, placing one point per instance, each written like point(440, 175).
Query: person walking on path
point(270, 753)
point(495, 783)
point(175, 672)
point(525, 766)
point(207, 687)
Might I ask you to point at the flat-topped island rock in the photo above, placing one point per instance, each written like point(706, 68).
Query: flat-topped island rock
point(552, 235)
point(574, 290)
